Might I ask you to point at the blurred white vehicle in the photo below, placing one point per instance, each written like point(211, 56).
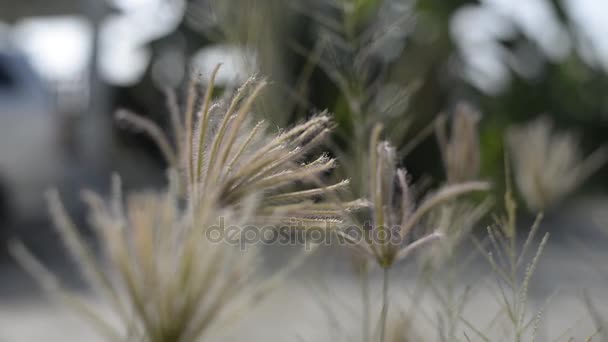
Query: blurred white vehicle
point(29, 139)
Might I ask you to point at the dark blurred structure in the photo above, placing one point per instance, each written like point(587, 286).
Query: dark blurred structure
point(29, 152)
point(54, 131)
point(18, 9)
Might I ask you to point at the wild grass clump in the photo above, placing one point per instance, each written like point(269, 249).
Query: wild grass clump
point(159, 270)
point(161, 275)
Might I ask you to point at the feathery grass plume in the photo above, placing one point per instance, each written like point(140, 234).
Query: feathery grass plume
point(162, 275)
point(394, 213)
point(549, 165)
point(461, 159)
point(222, 150)
point(460, 150)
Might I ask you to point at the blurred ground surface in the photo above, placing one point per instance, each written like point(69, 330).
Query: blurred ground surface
point(575, 261)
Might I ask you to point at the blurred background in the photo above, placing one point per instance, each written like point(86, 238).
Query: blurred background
point(66, 66)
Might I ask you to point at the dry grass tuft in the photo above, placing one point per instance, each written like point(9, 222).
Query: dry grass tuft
point(224, 153)
point(163, 277)
point(394, 211)
point(548, 164)
point(460, 150)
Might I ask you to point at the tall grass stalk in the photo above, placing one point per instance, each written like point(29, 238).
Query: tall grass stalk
point(385, 303)
point(508, 261)
point(394, 215)
point(365, 299)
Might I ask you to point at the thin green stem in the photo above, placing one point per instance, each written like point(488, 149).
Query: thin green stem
point(384, 312)
point(364, 274)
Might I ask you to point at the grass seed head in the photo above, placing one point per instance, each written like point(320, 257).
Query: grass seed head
point(549, 165)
